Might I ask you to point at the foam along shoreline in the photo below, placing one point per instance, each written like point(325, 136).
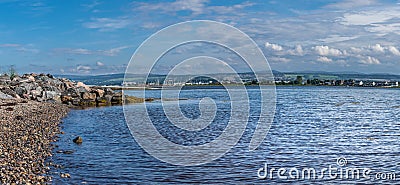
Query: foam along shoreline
point(27, 129)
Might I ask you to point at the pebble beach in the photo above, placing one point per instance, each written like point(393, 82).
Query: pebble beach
point(27, 130)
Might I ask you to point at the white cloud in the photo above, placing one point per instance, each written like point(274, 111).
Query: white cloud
point(324, 59)
point(383, 29)
point(196, 7)
point(83, 69)
point(91, 5)
point(356, 50)
point(107, 24)
point(298, 50)
point(98, 63)
point(9, 45)
point(274, 47)
point(370, 60)
point(82, 51)
point(394, 50)
point(90, 69)
point(369, 17)
point(113, 51)
point(29, 48)
point(337, 38)
point(346, 4)
point(150, 25)
point(326, 51)
point(278, 59)
point(377, 48)
point(79, 51)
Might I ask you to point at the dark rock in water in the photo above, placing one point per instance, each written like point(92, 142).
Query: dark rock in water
point(149, 99)
point(131, 99)
point(68, 152)
point(78, 140)
point(102, 101)
point(87, 103)
point(116, 100)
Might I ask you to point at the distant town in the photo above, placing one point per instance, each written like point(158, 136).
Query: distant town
point(299, 81)
point(294, 79)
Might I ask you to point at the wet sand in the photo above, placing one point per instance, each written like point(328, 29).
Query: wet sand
point(27, 129)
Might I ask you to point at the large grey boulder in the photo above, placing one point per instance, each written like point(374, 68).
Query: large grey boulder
point(9, 92)
point(28, 86)
point(108, 91)
point(20, 91)
point(50, 95)
point(71, 92)
point(5, 96)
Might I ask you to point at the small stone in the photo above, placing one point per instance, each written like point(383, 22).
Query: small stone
point(65, 175)
point(78, 140)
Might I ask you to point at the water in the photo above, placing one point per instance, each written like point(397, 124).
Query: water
point(313, 127)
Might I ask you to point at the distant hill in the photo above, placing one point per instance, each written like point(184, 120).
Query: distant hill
point(117, 79)
point(109, 79)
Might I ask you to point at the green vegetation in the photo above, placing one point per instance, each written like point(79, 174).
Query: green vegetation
point(12, 73)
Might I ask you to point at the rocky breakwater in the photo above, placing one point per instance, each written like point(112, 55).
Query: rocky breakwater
point(31, 107)
point(46, 88)
point(27, 129)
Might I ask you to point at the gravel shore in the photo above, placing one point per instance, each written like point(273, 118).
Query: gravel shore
point(27, 129)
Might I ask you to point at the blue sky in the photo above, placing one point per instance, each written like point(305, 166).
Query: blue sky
point(97, 37)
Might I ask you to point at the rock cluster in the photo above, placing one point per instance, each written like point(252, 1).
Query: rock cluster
point(46, 88)
point(31, 107)
point(27, 129)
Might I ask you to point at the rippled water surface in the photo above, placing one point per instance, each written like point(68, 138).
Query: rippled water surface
point(313, 127)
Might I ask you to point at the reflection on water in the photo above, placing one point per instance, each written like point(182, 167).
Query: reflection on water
point(313, 127)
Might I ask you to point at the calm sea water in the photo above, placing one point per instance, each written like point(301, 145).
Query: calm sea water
point(313, 127)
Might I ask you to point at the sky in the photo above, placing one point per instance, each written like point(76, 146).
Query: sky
point(99, 37)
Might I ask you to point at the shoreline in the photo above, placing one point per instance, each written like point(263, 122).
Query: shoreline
point(27, 131)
